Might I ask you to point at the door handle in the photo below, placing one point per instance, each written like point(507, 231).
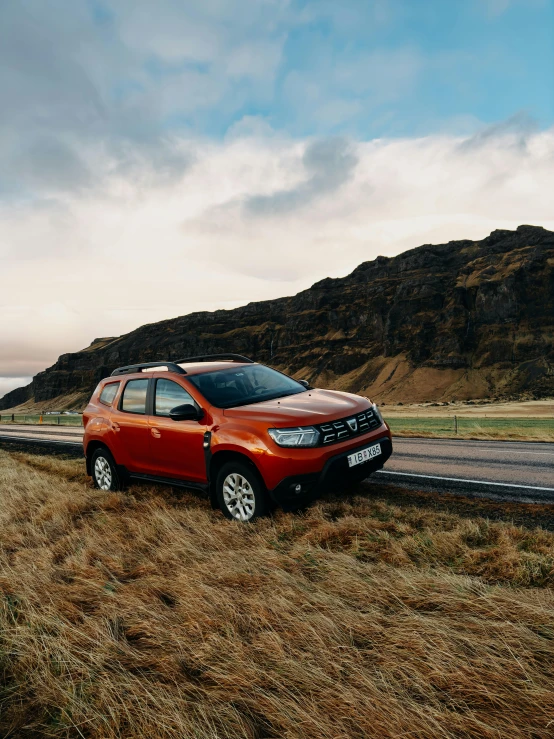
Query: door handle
point(116, 426)
point(155, 433)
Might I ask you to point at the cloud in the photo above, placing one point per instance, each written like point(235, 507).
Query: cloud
point(161, 158)
point(256, 216)
point(328, 165)
point(514, 131)
point(51, 163)
point(78, 81)
point(87, 81)
point(11, 383)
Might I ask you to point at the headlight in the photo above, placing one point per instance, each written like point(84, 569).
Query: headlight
point(300, 436)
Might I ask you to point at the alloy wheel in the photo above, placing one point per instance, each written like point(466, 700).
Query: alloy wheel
point(103, 473)
point(238, 496)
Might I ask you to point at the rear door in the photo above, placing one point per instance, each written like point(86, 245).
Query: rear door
point(129, 426)
point(176, 447)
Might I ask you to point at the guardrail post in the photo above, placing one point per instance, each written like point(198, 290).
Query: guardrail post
point(456, 425)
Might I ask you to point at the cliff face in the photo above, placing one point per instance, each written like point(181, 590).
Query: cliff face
point(453, 321)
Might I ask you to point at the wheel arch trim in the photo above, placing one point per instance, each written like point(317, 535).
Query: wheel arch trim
point(219, 457)
point(90, 448)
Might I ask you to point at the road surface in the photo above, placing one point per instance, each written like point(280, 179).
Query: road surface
point(71, 436)
point(513, 470)
point(507, 470)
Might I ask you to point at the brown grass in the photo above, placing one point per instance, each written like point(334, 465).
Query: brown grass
point(146, 614)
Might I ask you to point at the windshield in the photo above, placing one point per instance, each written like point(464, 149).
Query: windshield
point(243, 385)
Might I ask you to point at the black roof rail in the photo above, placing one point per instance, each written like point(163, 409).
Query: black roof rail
point(130, 368)
point(214, 357)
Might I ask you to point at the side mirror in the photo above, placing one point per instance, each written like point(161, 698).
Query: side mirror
point(306, 384)
point(185, 412)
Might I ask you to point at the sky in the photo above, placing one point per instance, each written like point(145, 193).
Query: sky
point(163, 158)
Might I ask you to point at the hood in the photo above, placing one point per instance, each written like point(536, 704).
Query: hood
point(303, 409)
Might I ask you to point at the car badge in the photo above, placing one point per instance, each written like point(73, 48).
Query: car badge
point(353, 424)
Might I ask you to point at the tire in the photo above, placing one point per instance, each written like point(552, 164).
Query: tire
point(250, 502)
point(104, 470)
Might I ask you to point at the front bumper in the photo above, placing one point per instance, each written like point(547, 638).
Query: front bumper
point(299, 489)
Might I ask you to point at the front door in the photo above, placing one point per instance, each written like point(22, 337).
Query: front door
point(176, 447)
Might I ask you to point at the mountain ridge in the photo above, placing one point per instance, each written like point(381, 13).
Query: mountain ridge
point(455, 321)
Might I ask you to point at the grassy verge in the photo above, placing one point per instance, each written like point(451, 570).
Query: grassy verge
point(146, 614)
point(520, 429)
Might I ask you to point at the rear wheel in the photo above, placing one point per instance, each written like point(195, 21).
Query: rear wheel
point(240, 492)
point(104, 470)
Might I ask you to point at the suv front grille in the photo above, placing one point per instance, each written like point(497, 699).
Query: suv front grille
point(347, 428)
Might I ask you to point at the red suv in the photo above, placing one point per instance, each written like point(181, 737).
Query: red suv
point(242, 433)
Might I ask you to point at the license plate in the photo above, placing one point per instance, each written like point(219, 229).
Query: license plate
point(364, 455)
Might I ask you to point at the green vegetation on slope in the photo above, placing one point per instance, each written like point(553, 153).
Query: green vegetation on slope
point(147, 614)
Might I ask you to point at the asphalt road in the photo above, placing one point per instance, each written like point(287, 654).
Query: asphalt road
point(506, 470)
point(61, 435)
point(514, 470)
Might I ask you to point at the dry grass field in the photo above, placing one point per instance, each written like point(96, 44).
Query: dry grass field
point(386, 614)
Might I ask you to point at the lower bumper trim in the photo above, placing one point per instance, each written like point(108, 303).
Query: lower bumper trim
point(299, 489)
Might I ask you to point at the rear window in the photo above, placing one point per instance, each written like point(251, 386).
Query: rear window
point(134, 396)
point(108, 393)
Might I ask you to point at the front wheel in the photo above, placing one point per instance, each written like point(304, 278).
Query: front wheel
point(240, 492)
point(104, 471)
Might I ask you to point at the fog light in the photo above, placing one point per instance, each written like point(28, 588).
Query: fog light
point(298, 488)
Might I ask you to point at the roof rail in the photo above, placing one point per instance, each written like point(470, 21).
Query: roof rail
point(213, 357)
point(171, 366)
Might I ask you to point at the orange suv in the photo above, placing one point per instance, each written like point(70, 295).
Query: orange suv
point(244, 434)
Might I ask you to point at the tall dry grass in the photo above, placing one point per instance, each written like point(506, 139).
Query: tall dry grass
point(146, 614)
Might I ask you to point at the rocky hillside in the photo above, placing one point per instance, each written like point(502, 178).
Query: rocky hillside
point(467, 319)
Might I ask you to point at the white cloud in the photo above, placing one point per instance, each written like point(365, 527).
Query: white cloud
point(11, 383)
point(138, 248)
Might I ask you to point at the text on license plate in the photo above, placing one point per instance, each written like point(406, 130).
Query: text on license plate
point(364, 455)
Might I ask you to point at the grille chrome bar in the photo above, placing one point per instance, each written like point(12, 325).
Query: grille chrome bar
point(339, 430)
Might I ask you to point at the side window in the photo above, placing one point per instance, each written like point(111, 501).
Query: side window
point(169, 395)
point(108, 393)
point(134, 396)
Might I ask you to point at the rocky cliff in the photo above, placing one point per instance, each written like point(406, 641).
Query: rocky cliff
point(467, 319)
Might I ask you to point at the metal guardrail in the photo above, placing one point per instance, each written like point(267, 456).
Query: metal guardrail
point(42, 419)
point(455, 425)
point(447, 426)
